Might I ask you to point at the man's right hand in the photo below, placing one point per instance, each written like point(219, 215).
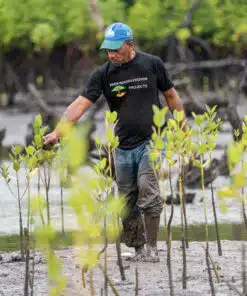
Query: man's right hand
point(50, 139)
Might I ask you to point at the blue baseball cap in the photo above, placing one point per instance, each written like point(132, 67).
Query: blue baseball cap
point(115, 35)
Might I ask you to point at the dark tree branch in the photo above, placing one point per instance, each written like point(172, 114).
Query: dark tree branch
point(41, 103)
point(190, 13)
point(176, 68)
point(96, 16)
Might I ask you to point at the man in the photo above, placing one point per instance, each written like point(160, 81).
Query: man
point(130, 82)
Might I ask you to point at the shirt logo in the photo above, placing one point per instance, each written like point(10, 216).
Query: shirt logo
point(119, 90)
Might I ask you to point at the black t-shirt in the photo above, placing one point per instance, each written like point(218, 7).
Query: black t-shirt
point(131, 89)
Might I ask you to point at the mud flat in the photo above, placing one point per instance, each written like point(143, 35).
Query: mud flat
point(153, 277)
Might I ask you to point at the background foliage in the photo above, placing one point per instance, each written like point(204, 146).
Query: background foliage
point(43, 24)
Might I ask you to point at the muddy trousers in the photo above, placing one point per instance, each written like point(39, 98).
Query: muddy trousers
point(137, 182)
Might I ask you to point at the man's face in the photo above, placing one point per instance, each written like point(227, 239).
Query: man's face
point(121, 55)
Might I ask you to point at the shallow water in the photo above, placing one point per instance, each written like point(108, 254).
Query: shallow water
point(16, 125)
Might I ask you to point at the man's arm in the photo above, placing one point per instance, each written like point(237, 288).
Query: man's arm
point(72, 114)
point(174, 103)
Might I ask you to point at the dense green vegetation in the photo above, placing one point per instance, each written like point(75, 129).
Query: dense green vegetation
point(43, 24)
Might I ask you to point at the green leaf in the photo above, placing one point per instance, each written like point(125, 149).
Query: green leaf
point(178, 115)
point(235, 151)
point(103, 163)
point(30, 150)
point(111, 117)
point(238, 180)
point(223, 206)
point(227, 192)
point(16, 150)
point(37, 121)
point(155, 109)
point(159, 118)
point(116, 206)
point(16, 165)
point(196, 163)
point(32, 162)
point(38, 141)
point(37, 204)
point(54, 266)
point(199, 119)
point(97, 141)
point(110, 136)
point(202, 148)
point(169, 154)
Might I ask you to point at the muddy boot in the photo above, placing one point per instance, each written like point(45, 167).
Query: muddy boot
point(139, 256)
point(152, 228)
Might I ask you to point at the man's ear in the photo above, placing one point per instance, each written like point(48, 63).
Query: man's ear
point(131, 43)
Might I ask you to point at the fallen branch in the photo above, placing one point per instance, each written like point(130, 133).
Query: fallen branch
point(41, 103)
point(176, 68)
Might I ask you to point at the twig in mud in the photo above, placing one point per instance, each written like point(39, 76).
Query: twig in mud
point(26, 235)
point(115, 292)
point(184, 264)
point(83, 271)
point(213, 264)
point(120, 261)
point(209, 270)
point(214, 268)
point(91, 283)
point(231, 287)
point(119, 257)
point(244, 281)
point(33, 270)
point(137, 282)
point(105, 259)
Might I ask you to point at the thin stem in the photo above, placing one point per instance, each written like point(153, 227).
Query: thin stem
point(62, 208)
point(118, 243)
point(169, 237)
point(137, 282)
point(105, 261)
point(120, 261)
point(184, 209)
point(209, 270)
point(47, 184)
point(26, 286)
point(115, 292)
point(182, 225)
point(244, 277)
point(83, 278)
point(28, 204)
point(33, 270)
point(39, 179)
point(204, 199)
point(91, 283)
point(206, 227)
point(20, 217)
point(214, 268)
point(243, 201)
point(214, 211)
